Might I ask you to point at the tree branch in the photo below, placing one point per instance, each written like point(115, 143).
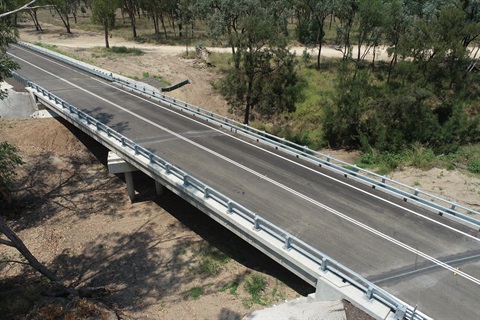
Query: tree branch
point(20, 246)
point(7, 243)
point(14, 261)
point(17, 10)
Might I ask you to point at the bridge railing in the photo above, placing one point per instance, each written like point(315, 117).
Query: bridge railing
point(393, 187)
point(323, 262)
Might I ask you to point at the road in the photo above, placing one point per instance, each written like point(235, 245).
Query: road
point(405, 250)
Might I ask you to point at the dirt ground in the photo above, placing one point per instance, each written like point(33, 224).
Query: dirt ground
point(158, 256)
point(152, 254)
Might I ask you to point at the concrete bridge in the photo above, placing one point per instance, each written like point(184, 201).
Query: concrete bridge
point(388, 251)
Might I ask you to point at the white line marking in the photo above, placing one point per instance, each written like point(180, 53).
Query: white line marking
point(425, 268)
point(321, 205)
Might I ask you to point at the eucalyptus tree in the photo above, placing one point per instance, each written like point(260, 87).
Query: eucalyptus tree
point(131, 7)
point(312, 15)
point(371, 25)
point(263, 69)
point(345, 11)
point(398, 18)
point(103, 12)
point(64, 9)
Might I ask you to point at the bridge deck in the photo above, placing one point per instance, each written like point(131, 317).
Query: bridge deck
point(364, 229)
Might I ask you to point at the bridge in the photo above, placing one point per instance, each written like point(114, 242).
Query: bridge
point(386, 249)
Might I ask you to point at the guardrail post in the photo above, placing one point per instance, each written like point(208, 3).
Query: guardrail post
point(136, 149)
point(288, 242)
point(230, 206)
point(329, 158)
point(97, 124)
point(123, 141)
point(150, 157)
point(369, 293)
point(167, 168)
point(185, 180)
point(108, 132)
point(206, 192)
point(454, 205)
point(324, 265)
point(256, 223)
point(416, 192)
point(401, 312)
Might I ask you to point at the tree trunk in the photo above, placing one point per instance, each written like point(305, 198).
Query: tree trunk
point(163, 25)
point(155, 23)
point(18, 244)
point(320, 35)
point(250, 75)
point(36, 23)
point(132, 21)
point(65, 20)
point(105, 25)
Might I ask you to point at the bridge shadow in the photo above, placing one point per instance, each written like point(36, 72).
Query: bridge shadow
point(226, 241)
point(108, 119)
point(51, 183)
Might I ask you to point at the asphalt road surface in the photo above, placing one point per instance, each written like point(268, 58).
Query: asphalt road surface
point(409, 252)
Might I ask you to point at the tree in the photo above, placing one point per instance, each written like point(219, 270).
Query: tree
point(7, 37)
point(103, 12)
point(7, 10)
point(257, 36)
point(64, 9)
point(9, 160)
point(131, 6)
point(345, 10)
point(371, 22)
point(312, 15)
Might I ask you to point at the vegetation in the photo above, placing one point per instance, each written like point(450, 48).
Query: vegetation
point(255, 285)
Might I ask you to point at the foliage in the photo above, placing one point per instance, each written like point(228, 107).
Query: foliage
point(196, 292)
point(7, 36)
point(126, 51)
point(474, 166)
point(255, 285)
point(103, 12)
point(9, 160)
point(262, 74)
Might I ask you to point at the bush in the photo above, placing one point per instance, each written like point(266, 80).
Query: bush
point(9, 160)
point(125, 50)
point(474, 166)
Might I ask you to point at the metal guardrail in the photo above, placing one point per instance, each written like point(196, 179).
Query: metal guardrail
point(72, 62)
point(290, 242)
point(398, 189)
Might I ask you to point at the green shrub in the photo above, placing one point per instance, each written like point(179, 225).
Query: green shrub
point(126, 51)
point(474, 166)
point(255, 284)
point(196, 292)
